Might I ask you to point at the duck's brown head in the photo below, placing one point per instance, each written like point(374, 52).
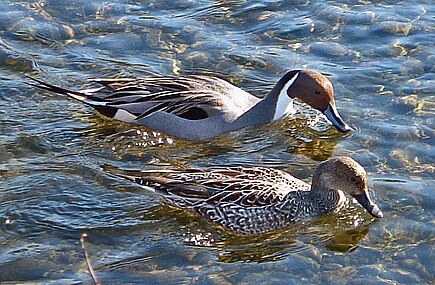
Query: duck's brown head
point(345, 174)
point(316, 90)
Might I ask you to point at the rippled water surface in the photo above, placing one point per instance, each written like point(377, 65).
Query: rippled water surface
point(57, 155)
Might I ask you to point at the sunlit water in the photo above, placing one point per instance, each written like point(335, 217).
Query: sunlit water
point(57, 155)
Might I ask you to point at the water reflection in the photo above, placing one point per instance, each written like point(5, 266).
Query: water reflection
point(336, 233)
point(307, 133)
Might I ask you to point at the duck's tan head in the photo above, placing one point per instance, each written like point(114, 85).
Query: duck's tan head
point(316, 90)
point(345, 174)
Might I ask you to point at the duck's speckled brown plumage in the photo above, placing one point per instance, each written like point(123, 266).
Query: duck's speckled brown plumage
point(258, 200)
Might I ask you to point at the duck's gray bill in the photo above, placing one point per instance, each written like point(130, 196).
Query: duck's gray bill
point(334, 117)
point(367, 203)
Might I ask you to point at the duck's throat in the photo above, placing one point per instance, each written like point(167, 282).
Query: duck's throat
point(341, 201)
point(286, 108)
point(326, 201)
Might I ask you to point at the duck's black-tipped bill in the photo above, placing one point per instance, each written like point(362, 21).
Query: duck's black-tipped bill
point(367, 203)
point(334, 117)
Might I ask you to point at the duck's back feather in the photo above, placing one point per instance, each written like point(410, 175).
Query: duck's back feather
point(193, 97)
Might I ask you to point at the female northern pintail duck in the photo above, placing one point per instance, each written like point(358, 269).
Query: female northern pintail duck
point(202, 107)
point(258, 200)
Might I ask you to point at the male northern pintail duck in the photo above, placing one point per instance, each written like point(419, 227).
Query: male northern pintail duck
point(203, 107)
point(259, 200)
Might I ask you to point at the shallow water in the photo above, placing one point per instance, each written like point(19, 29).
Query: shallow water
point(56, 154)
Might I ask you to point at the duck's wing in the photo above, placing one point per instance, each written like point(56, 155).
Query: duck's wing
point(286, 182)
point(130, 99)
point(246, 187)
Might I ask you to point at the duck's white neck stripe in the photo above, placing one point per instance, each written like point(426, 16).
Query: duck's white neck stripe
point(341, 201)
point(285, 103)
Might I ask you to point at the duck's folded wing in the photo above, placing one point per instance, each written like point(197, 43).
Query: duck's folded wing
point(282, 181)
point(188, 97)
point(271, 175)
point(211, 192)
point(116, 86)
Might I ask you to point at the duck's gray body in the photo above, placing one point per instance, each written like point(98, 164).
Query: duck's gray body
point(203, 107)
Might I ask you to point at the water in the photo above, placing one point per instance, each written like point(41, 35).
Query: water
point(56, 154)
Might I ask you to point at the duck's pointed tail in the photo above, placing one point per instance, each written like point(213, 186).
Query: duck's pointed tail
point(78, 95)
point(172, 191)
point(85, 96)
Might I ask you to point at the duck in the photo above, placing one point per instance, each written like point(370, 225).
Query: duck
point(256, 200)
point(199, 107)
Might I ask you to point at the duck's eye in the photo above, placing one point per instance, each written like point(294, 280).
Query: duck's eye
point(353, 179)
point(317, 92)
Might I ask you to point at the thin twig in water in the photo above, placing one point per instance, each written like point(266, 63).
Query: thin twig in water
point(88, 262)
